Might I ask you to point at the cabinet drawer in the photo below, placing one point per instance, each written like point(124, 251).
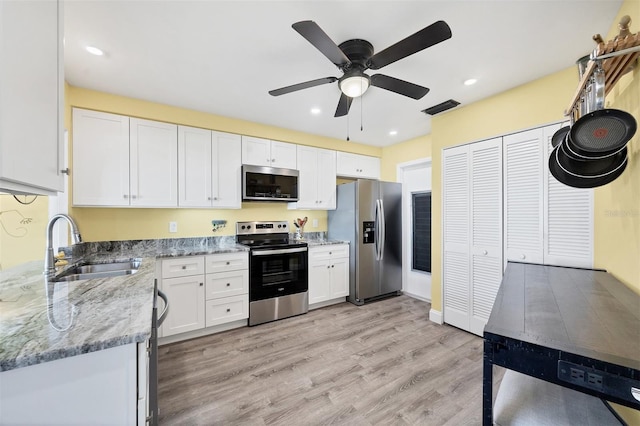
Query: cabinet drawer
point(226, 262)
point(227, 309)
point(225, 284)
point(183, 266)
point(329, 252)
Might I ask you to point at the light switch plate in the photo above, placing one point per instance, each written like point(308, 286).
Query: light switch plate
point(173, 226)
point(315, 223)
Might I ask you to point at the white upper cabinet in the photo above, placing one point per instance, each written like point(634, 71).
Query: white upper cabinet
point(31, 104)
point(317, 179)
point(194, 167)
point(123, 162)
point(523, 196)
point(264, 152)
point(209, 165)
point(100, 170)
point(153, 163)
point(357, 166)
point(227, 164)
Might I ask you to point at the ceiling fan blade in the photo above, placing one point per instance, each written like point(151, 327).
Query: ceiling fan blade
point(300, 86)
point(343, 105)
point(314, 35)
point(426, 37)
point(398, 86)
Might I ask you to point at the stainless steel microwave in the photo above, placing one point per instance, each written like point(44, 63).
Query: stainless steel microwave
point(269, 184)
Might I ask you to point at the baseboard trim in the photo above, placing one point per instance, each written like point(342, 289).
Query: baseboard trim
point(327, 303)
point(415, 296)
point(435, 316)
point(202, 332)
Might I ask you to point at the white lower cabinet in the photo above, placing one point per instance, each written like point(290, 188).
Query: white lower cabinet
point(328, 274)
point(106, 386)
point(186, 304)
point(204, 291)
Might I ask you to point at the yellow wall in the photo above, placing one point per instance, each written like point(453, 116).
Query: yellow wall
point(393, 155)
point(97, 224)
point(22, 230)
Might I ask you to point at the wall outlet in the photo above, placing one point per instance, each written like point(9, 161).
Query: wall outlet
point(173, 226)
point(314, 223)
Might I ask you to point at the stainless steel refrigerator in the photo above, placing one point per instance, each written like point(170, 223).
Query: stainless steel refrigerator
point(369, 215)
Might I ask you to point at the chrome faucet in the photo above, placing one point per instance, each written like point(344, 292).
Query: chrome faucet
point(49, 260)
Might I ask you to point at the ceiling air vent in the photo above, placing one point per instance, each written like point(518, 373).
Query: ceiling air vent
point(436, 109)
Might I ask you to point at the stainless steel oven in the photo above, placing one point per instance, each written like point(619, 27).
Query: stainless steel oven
point(278, 271)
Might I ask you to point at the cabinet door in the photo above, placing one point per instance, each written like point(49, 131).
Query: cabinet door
point(308, 177)
point(283, 155)
point(369, 167)
point(227, 165)
point(186, 295)
point(153, 163)
point(523, 196)
point(486, 229)
point(319, 281)
point(194, 167)
point(225, 284)
point(339, 277)
point(227, 309)
point(456, 274)
point(256, 151)
point(32, 88)
point(100, 159)
point(326, 177)
point(568, 218)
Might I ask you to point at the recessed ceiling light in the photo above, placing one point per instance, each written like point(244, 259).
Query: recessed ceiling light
point(393, 132)
point(470, 81)
point(94, 51)
point(315, 111)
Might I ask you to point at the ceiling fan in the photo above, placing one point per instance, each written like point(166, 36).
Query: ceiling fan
point(354, 57)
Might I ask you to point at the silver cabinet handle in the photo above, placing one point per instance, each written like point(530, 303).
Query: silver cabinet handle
point(164, 313)
point(134, 197)
point(125, 196)
point(184, 266)
point(273, 160)
point(522, 256)
point(333, 266)
point(228, 309)
point(228, 284)
point(209, 198)
point(228, 263)
point(201, 284)
point(215, 198)
point(485, 252)
point(328, 266)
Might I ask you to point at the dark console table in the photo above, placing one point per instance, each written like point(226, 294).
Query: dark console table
point(577, 328)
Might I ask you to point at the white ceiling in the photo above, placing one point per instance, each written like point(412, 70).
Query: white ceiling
point(222, 57)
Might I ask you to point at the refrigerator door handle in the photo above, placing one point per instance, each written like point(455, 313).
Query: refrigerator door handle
point(383, 229)
point(377, 230)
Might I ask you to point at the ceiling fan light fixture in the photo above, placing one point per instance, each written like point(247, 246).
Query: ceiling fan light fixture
point(354, 85)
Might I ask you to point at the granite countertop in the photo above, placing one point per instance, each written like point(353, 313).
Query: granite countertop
point(42, 321)
point(312, 242)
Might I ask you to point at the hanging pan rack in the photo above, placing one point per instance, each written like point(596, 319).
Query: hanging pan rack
point(615, 57)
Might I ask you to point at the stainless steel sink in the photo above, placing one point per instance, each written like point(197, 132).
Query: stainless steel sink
point(87, 271)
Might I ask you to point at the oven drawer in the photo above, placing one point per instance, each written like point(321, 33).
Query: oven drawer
point(226, 262)
point(328, 252)
point(182, 266)
point(225, 284)
point(227, 309)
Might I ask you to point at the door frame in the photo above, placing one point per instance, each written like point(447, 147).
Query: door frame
point(401, 168)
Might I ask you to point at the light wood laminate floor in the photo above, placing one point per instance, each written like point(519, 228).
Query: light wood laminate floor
point(383, 363)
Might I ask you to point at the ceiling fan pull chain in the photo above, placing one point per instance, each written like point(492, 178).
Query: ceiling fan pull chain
point(361, 102)
point(347, 127)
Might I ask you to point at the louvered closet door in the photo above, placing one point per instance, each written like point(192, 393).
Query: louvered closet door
point(486, 229)
point(456, 240)
point(568, 218)
point(523, 196)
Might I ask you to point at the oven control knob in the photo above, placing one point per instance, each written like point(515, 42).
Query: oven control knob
point(248, 226)
point(243, 226)
point(284, 225)
point(279, 226)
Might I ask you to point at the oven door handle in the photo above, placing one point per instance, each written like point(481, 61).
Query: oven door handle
point(281, 251)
